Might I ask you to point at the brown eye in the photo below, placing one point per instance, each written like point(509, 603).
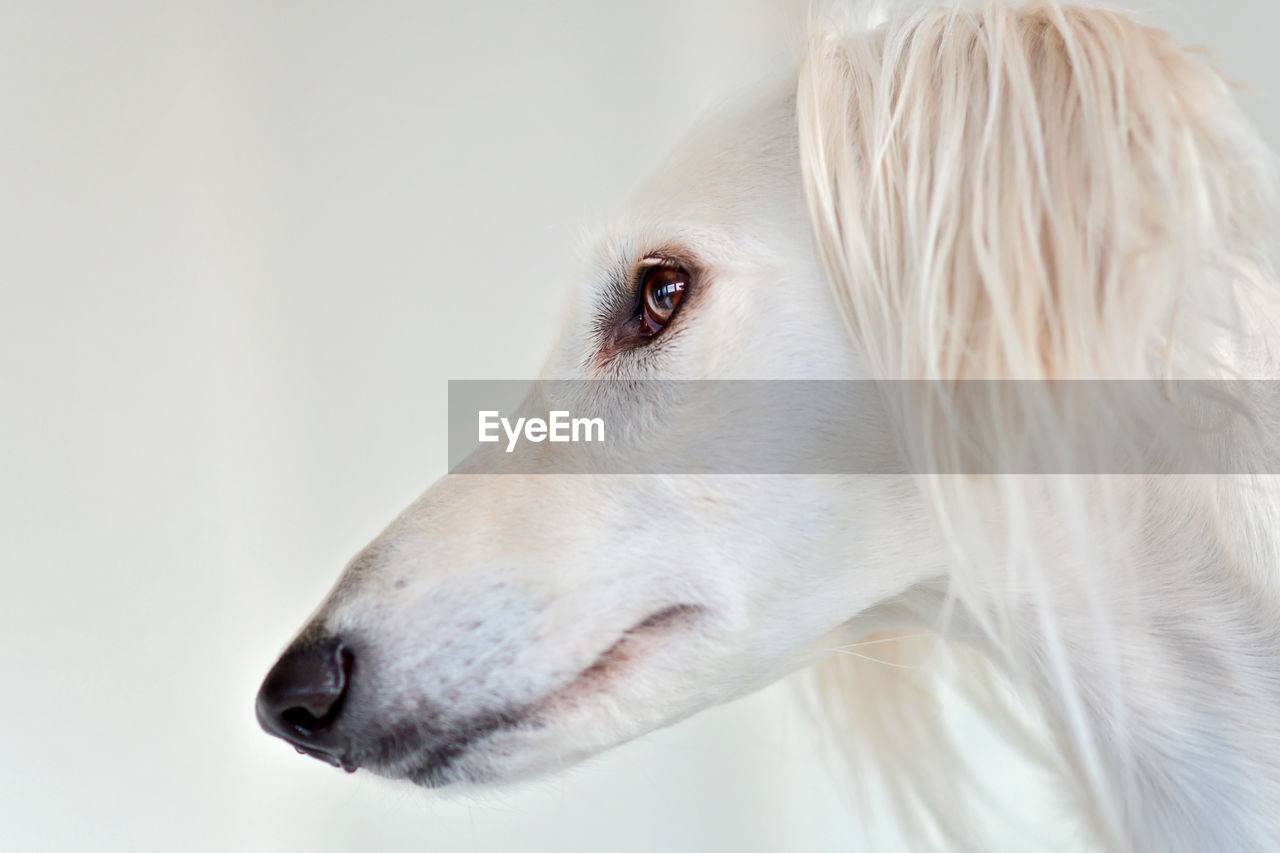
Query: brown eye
point(661, 289)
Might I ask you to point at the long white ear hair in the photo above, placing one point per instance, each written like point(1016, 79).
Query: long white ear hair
point(1039, 193)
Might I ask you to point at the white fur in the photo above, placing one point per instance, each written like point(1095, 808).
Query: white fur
point(1040, 193)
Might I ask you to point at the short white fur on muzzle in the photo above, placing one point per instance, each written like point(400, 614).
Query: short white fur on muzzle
point(1042, 193)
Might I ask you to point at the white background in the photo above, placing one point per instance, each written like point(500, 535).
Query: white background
point(243, 245)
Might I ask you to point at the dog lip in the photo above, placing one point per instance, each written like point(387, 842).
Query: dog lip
point(663, 616)
point(432, 765)
point(431, 761)
point(614, 655)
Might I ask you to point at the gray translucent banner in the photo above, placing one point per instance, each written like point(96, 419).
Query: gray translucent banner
point(863, 427)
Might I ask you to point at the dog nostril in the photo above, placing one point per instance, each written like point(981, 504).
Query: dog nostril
point(302, 696)
point(304, 721)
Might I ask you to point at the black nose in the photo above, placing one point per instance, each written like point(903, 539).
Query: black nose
point(302, 697)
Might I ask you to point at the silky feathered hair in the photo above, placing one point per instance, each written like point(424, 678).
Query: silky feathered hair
point(1058, 193)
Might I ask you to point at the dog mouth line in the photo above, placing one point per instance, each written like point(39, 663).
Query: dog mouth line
point(626, 648)
point(437, 766)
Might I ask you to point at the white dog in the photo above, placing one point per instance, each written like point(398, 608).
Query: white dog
point(1041, 193)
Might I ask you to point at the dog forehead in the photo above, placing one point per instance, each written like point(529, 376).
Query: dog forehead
point(738, 164)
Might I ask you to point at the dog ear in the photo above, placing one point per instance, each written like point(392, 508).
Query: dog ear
point(1034, 193)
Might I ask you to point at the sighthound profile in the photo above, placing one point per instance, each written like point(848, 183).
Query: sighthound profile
point(1036, 193)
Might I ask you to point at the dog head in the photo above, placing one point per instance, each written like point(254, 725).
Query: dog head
point(898, 211)
point(506, 624)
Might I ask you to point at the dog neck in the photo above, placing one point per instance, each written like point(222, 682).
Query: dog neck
point(1163, 698)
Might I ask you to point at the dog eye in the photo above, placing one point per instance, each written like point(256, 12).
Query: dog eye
point(661, 290)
